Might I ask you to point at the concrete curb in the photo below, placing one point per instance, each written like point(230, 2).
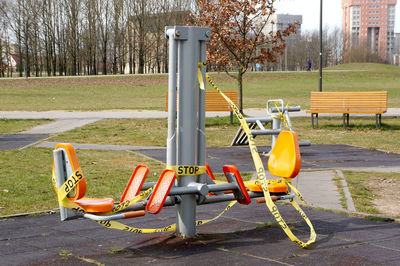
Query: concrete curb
point(347, 195)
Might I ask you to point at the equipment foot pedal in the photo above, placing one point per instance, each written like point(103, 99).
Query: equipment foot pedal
point(161, 191)
point(233, 176)
point(135, 183)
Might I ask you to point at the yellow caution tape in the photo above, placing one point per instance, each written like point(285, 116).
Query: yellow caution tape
point(263, 178)
point(169, 228)
point(282, 116)
point(200, 77)
point(77, 176)
point(187, 169)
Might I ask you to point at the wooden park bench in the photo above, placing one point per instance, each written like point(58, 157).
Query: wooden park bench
point(216, 103)
point(346, 103)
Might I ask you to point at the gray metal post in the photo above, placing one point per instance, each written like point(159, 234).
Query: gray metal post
point(190, 119)
point(201, 136)
point(62, 174)
point(276, 124)
point(171, 139)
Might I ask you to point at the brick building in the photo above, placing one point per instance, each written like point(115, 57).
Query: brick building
point(370, 23)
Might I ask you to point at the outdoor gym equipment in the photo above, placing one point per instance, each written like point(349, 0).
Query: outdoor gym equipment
point(277, 114)
point(185, 182)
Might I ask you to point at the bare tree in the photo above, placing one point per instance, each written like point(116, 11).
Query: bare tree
point(72, 12)
point(103, 23)
point(237, 37)
point(335, 45)
point(141, 23)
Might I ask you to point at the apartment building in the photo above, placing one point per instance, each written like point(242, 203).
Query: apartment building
point(370, 23)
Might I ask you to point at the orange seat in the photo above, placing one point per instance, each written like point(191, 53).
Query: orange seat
point(285, 159)
point(80, 189)
point(77, 195)
point(272, 188)
point(95, 205)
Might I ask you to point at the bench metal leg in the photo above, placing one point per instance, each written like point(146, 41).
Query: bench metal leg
point(348, 118)
point(344, 121)
point(312, 120)
point(378, 121)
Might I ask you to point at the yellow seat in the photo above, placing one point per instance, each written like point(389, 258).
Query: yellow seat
point(285, 159)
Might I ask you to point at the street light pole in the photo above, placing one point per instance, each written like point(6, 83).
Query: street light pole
point(320, 46)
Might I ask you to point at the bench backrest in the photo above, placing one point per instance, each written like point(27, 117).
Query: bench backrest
point(215, 102)
point(356, 102)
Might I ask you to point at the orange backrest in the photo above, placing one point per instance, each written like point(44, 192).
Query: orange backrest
point(285, 159)
point(80, 189)
point(209, 171)
point(135, 183)
point(160, 193)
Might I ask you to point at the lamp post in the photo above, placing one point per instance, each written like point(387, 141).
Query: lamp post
point(320, 46)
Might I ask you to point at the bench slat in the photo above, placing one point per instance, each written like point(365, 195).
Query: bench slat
point(215, 102)
point(349, 102)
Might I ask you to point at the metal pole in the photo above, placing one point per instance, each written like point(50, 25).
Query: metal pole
point(186, 131)
point(171, 139)
point(62, 174)
point(276, 125)
point(201, 136)
point(189, 120)
point(320, 47)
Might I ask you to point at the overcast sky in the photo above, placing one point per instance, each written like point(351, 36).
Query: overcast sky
point(332, 12)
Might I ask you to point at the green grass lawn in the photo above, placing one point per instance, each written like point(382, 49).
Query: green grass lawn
point(149, 91)
point(12, 126)
point(219, 132)
point(25, 177)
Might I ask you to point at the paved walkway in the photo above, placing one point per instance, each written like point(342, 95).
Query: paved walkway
point(69, 120)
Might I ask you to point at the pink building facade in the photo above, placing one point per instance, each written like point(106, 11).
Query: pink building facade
point(370, 23)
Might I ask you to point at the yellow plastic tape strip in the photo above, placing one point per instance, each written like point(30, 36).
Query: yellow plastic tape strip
point(187, 169)
point(62, 195)
point(200, 77)
point(70, 184)
point(263, 179)
point(127, 203)
point(169, 228)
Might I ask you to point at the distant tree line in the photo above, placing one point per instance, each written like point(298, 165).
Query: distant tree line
point(92, 37)
point(86, 37)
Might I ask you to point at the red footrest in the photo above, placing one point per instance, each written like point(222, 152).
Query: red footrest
point(233, 176)
point(161, 191)
point(135, 183)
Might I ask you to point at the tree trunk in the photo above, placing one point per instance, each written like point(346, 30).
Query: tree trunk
point(105, 58)
point(240, 90)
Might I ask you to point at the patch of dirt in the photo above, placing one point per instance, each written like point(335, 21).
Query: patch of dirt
point(388, 196)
